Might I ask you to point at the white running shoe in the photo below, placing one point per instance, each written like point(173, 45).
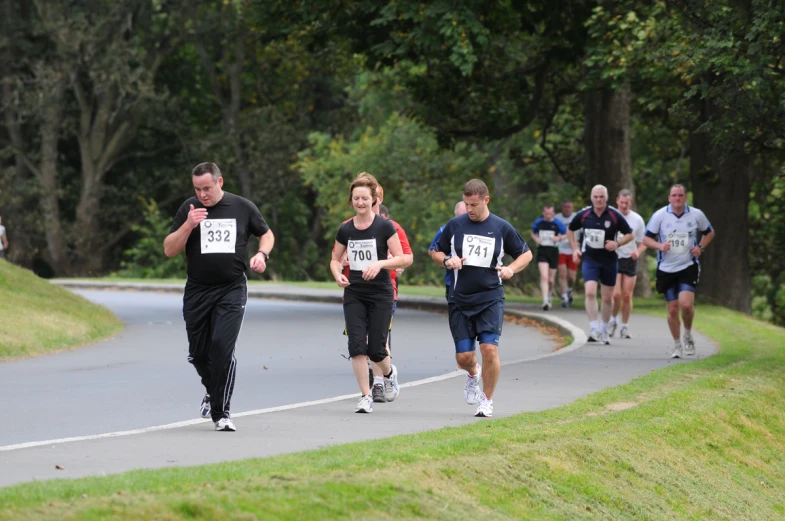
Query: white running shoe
point(611, 328)
point(365, 404)
point(605, 339)
point(624, 332)
point(689, 345)
point(377, 392)
point(391, 389)
point(472, 390)
point(546, 306)
point(594, 336)
point(485, 409)
point(677, 350)
point(225, 424)
point(565, 303)
point(204, 408)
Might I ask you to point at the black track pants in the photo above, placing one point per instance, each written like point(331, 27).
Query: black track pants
point(213, 318)
point(371, 315)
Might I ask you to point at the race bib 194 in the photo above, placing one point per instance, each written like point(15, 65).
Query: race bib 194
point(361, 254)
point(594, 238)
point(546, 237)
point(218, 235)
point(478, 250)
point(680, 242)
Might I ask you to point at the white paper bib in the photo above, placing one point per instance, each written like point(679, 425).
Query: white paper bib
point(546, 237)
point(594, 238)
point(362, 254)
point(680, 242)
point(478, 250)
point(218, 235)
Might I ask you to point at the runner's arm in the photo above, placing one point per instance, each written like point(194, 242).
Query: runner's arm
point(521, 261)
point(336, 266)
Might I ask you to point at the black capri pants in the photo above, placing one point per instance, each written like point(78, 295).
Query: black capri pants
point(368, 314)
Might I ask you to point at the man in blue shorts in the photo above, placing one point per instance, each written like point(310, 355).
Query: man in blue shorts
point(680, 234)
point(460, 209)
point(600, 223)
point(547, 232)
point(472, 246)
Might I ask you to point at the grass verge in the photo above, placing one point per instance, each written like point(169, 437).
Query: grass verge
point(694, 441)
point(39, 317)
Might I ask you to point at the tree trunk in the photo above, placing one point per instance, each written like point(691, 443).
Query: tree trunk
point(721, 183)
point(607, 140)
point(47, 178)
point(643, 282)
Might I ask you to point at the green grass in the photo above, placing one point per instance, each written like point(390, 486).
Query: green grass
point(703, 440)
point(37, 317)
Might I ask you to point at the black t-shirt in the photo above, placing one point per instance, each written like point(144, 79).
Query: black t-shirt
point(611, 221)
point(216, 249)
point(483, 244)
point(364, 247)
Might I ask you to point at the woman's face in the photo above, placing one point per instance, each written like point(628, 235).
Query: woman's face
point(361, 200)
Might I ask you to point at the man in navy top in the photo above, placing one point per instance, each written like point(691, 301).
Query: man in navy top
point(547, 232)
point(472, 246)
point(460, 209)
point(600, 224)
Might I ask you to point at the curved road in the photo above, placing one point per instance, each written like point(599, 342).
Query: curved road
point(288, 352)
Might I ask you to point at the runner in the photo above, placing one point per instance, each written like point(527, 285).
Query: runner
point(680, 234)
point(546, 232)
point(460, 209)
point(628, 266)
point(381, 390)
point(368, 291)
point(567, 268)
point(600, 224)
point(476, 243)
point(213, 229)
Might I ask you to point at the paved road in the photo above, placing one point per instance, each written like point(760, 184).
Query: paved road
point(529, 386)
point(288, 352)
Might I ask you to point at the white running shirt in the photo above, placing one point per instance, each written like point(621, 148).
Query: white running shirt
point(564, 246)
point(638, 226)
point(681, 231)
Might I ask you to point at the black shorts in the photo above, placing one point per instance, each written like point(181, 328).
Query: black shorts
point(628, 267)
point(549, 254)
point(670, 284)
point(483, 323)
point(368, 319)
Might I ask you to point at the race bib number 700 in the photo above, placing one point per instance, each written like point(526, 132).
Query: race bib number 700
point(478, 250)
point(361, 254)
point(218, 235)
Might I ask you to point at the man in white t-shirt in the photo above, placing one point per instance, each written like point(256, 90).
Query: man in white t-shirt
point(680, 234)
point(628, 265)
point(3, 239)
point(567, 267)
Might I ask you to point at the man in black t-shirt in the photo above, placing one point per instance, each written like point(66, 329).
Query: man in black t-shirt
point(213, 228)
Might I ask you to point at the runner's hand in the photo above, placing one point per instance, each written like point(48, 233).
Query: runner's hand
point(634, 255)
point(342, 281)
point(258, 263)
point(696, 251)
point(664, 247)
point(576, 257)
point(505, 272)
point(611, 245)
point(399, 271)
point(371, 271)
point(455, 263)
point(196, 216)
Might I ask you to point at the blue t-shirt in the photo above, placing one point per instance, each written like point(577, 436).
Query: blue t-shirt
point(597, 230)
point(482, 244)
point(547, 231)
point(448, 273)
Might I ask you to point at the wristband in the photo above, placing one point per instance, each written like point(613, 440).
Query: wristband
point(266, 255)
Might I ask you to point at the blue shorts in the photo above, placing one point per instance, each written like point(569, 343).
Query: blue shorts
point(604, 273)
point(482, 323)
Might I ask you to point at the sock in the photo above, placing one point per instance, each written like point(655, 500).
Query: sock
point(378, 380)
point(593, 324)
point(603, 327)
point(564, 296)
point(612, 321)
point(624, 325)
point(677, 342)
point(388, 376)
point(688, 333)
point(569, 291)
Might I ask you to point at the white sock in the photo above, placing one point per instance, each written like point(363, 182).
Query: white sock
point(624, 325)
point(612, 321)
point(564, 296)
point(688, 333)
point(593, 324)
point(603, 327)
point(677, 343)
point(378, 380)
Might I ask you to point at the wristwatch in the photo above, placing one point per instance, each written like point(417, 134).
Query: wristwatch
point(266, 255)
point(702, 248)
point(446, 258)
